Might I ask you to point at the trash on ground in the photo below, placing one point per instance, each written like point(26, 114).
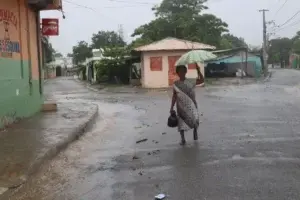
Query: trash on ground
point(164, 133)
point(160, 196)
point(142, 140)
point(135, 158)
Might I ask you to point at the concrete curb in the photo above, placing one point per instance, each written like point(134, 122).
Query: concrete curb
point(76, 134)
point(56, 149)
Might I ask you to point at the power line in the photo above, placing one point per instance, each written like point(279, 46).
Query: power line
point(134, 2)
point(290, 19)
point(82, 6)
point(90, 8)
point(280, 8)
point(290, 25)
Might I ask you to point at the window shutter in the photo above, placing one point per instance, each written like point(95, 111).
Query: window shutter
point(156, 63)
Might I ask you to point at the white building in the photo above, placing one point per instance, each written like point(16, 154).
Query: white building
point(59, 66)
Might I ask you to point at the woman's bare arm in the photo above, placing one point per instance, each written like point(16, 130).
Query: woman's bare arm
point(174, 97)
point(200, 78)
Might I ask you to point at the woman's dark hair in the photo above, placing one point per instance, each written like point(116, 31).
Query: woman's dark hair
point(181, 67)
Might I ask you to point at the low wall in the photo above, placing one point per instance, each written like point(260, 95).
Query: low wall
point(50, 73)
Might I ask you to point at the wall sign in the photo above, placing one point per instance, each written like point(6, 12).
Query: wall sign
point(9, 21)
point(49, 27)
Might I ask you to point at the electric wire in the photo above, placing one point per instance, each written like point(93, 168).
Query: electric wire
point(281, 7)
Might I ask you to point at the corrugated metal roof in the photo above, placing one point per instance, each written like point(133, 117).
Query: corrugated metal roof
point(234, 50)
point(173, 44)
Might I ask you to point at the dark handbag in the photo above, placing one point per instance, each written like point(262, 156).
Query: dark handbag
point(172, 120)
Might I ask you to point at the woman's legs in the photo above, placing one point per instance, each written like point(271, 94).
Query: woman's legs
point(195, 133)
point(183, 142)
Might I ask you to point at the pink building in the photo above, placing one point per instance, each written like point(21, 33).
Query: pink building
point(158, 61)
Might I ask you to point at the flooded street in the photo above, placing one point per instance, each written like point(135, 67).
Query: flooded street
point(248, 148)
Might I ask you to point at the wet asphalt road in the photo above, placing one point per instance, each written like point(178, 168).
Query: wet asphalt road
point(249, 147)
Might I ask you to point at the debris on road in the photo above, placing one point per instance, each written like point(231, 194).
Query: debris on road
point(133, 168)
point(160, 197)
point(153, 152)
point(164, 133)
point(135, 158)
point(142, 140)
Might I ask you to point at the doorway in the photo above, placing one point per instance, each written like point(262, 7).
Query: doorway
point(58, 71)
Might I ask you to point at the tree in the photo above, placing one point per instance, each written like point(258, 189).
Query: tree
point(181, 19)
point(48, 50)
point(296, 37)
point(255, 49)
point(296, 43)
point(279, 51)
point(69, 55)
point(107, 39)
point(57, 54)
point(179, 9)
point(113, 66)
point(230, 41)
point(81, 52)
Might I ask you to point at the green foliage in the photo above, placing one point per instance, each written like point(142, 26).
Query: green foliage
point(107, 39)
point(48, 50)
point(230, 41)
point(296, 46)
point(58, 55)
point(113, 66)
point(81, 52)
point(279, 50)
point(181, 19)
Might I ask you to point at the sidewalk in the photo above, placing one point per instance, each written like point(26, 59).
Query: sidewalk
point(27, 144)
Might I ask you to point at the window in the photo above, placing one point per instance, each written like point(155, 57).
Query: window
point(156, 63)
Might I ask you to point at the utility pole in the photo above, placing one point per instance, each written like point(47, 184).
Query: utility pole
point(265, 53)
point(121, 31)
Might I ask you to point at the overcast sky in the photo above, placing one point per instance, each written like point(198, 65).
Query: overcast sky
point(242, 16)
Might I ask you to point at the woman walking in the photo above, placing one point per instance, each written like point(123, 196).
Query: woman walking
point(185, 99)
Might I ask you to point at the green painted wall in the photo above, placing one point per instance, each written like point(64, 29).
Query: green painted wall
point(17, 99)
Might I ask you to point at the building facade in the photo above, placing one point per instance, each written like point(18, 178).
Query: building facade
point(61, 66)
point(158, 61)
point(21, 74)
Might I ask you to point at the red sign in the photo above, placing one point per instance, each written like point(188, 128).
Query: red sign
point(50, 27)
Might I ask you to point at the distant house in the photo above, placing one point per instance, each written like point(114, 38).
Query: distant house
point(58, 67)
point(232, 61)
point(158, 61)
point(90, 64)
